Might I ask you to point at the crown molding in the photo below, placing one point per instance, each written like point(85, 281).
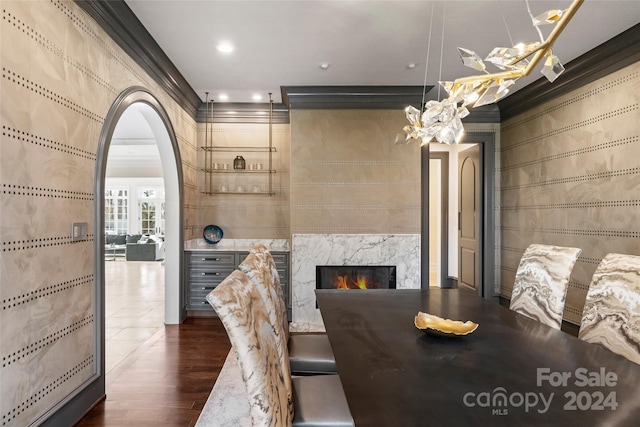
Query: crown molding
point(613, 55)
point(351, 97)
point(121, 24)
point(370, 97)
point(485, 114)
point(243, 112)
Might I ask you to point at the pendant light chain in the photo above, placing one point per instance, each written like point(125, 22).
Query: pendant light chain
point(506, 24)
point(533, 20)
point(444, 20)
point(426, 67)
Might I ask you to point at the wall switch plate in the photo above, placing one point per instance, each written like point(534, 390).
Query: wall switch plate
point(78, 231)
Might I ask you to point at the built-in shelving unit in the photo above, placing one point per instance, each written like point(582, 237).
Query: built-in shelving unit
point(205, 269)
point(213, 162)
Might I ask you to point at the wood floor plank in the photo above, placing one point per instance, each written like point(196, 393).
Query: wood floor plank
point(166, 381)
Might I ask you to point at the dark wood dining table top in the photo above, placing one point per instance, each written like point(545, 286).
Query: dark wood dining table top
point(511, 371)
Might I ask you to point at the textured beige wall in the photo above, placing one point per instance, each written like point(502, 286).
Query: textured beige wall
point(249, 215)
point(60, 75)
point(571, 176)
point(338, 171)
point(347, 176)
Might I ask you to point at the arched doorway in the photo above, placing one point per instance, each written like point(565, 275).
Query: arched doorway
point(158, 120)
point(161, 127)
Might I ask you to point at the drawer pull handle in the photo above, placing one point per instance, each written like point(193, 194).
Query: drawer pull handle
point(211, 274)
point(204, 302)
point(205, 288)
point(211, 259)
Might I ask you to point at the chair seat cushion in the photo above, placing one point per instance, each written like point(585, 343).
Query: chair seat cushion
point(320, 401)
point(311, 354)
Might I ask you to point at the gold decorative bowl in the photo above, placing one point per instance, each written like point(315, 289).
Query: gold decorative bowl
point(438, 326)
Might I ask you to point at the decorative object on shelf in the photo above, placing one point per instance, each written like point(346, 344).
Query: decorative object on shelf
point(434, 325)
point(220, 166)
point(239, 162)
point(212, 234)
point(442, 120)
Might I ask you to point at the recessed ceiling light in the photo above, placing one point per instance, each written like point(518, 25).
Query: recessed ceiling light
point(223, 97)
point(225, 47)
point(411, 65)
point(324, 65)
point(231, 112)
point(257, 97)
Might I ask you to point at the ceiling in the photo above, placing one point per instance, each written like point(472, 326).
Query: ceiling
point(283, 43)
point(133, 146)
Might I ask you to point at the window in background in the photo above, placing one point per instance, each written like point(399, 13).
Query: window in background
point(151, 203)
point(116, 211)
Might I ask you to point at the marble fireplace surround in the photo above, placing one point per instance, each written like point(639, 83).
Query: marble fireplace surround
point(311, 250)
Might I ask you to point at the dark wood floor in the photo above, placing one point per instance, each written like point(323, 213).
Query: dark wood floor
point(167, 381)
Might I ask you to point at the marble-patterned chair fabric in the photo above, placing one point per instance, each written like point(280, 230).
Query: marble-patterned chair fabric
point(258, 270)
point(319, 400)
point(309, 354)
point(541, 282)
point(275, 288)
point(267, 380)
point(611, 316)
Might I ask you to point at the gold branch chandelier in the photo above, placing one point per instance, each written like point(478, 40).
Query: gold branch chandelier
point(442, 120)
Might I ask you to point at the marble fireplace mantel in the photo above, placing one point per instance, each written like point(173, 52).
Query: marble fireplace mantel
point(311, 250)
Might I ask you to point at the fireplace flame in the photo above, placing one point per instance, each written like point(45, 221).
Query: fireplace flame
point(361, 283)
point(343, 282)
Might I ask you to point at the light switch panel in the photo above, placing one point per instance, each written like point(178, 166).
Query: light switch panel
point(78, 231)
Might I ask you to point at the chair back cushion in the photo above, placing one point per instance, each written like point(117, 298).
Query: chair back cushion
point(540, 287)
point(263, 253)
point(611, 316)
point(258, 271)
point(242, 312)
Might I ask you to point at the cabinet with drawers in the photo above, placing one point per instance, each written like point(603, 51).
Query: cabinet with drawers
point(204, 270)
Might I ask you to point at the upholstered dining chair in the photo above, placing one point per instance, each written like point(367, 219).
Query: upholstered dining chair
point(611, 316)
point(542, 278)
point(274, 398)
point(309, 354)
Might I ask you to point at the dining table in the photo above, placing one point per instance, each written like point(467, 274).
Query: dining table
point(512, 370)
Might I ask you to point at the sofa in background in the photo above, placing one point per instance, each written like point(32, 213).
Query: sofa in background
point(134, 247)
point(146, 248)
point(115, 245)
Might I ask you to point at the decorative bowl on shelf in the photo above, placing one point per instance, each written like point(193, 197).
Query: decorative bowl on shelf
point(212, 234)
point(434, 325)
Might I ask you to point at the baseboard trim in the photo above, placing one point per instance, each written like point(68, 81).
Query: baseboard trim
point(450, 283)
point(201, 313)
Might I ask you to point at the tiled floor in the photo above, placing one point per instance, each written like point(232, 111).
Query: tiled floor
point(134, 306)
